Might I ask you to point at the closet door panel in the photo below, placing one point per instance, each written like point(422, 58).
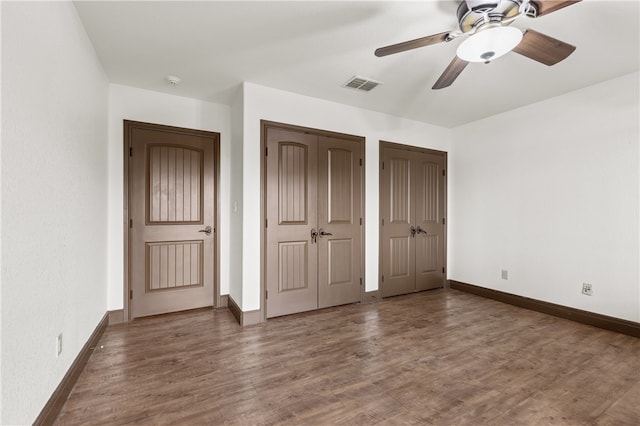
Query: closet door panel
point(339, 213)
point(429, 216)
point(398, 245)
point(291, 273)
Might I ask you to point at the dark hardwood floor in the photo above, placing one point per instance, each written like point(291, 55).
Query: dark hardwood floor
point(441, 357)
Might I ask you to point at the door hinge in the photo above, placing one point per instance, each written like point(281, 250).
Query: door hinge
point(360, 221)
point(266, 294)
point(130, 223)
point(130, 294)
point(383, 278)
point(130, 151)
point(444, 173)
point(382, 221)
point(266, 151)
point(266, 223)
point(383, 165)
point(360, 281)
point(443, 270)
point(361, 162)
point(443, 221)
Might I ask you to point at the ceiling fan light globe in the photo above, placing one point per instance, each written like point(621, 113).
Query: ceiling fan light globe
point(490, 43)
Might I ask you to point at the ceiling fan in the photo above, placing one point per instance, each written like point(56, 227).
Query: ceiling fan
point(486, 24)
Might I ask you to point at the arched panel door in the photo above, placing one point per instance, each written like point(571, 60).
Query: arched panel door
point(172, 218)
point(291, 197)
point(313, 224)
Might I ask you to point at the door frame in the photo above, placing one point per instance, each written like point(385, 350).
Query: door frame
point(386, 144)
point(266, 124)
point(128, 125)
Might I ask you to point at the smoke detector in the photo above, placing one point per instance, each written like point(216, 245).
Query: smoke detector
point(173, 80)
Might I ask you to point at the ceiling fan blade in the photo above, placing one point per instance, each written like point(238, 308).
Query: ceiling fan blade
point(542, 48)
point(450, 74)
point(412, 44)
point(547, 6)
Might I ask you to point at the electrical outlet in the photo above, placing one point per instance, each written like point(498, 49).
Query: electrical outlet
point(59, 344)
point(587, 289)
point(504, 274)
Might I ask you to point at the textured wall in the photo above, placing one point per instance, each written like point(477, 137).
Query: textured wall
point(550, 193)
point(236, 190)
point(54, 199)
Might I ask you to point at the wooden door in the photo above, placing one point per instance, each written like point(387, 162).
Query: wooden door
point(412, 212)
point(313, 197)
point(172, 218)
point(429, 218)
point(291, 197)
point(339, 221)
point(398, 242)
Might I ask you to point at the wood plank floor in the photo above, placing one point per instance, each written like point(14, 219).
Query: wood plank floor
point(441, 357)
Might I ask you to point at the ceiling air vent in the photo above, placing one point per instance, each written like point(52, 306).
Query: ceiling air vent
point(361, 83)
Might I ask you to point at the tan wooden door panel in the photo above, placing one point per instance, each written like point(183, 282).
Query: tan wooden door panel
point(429, 214)
point(291, 273)
point(172, 186)
point(339, 195)
point(398, 260)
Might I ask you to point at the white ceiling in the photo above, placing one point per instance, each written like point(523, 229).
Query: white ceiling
point(312, 48)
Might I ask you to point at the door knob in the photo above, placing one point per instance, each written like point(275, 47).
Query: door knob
point(314, 235)
point(322, 233)
point(206, 230)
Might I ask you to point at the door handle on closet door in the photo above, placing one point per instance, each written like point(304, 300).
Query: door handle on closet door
point(322, 233)
point(206, 230)
point(420, 230)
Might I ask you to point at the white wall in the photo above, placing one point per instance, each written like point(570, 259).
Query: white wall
point(236, 190)
point(0, 230)
point(550, 192)
point(275, 105)
point(54, 199)
point(128, 103)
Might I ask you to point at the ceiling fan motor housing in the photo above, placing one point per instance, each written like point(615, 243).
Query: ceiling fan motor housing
point(485, 12)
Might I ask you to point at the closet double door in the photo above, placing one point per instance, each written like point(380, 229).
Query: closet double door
point(313, 221)
point(412, 232)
